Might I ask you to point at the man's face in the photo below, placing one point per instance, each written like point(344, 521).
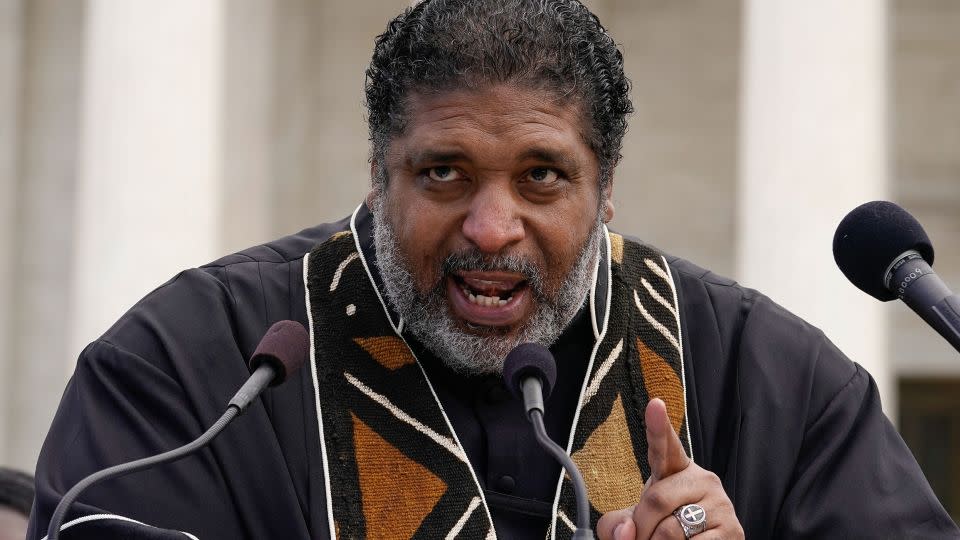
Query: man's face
point(488, 229)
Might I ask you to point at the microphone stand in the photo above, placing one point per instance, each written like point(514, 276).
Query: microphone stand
point(266, 372)
point(583, 530)
point(53, 528)
point(529, 371)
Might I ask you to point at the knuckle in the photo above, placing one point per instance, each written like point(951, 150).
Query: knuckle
point(655, 500)
point(714, 480)
point(724, 506)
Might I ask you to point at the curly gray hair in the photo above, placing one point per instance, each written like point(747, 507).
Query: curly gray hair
point(555, 45)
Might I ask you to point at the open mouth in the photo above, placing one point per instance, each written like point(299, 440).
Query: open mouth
point(487, 292)
point(486, 298)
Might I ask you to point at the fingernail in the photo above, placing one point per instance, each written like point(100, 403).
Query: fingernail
point(616, 532)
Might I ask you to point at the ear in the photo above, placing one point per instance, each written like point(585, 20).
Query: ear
point(374, 186)
point(607, 195)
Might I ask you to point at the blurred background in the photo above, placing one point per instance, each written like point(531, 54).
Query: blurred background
point(138, 138)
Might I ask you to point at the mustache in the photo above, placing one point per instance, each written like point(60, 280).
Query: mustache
point(473, 259)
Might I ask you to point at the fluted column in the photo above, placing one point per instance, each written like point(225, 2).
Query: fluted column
point(148, 197)
point(814, 145)
point(47, 36)
point(11, 37)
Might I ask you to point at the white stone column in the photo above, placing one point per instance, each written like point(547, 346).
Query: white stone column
point(250, 88)
point(149, 191)
point(813, 146)
point(11, 37)
point(45, 146)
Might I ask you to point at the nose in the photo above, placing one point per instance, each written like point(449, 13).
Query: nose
point(493, 221)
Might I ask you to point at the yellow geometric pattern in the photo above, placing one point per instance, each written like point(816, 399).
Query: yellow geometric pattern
point(397, 493)
point(390, 351)
point(662, 382)
point(616, 248)
point(609, 468)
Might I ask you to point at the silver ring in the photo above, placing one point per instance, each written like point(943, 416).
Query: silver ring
point(692, 518)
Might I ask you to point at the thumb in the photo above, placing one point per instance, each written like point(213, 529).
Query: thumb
point(617, 525)
point(664, 451)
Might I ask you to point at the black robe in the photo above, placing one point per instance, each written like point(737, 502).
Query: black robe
point(791, 426)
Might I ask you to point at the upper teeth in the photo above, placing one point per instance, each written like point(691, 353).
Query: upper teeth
point(482, 300)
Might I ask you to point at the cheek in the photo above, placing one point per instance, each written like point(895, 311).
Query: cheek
point(568, 233)
point(421, 237)
point(561, 261)
point(561, 246)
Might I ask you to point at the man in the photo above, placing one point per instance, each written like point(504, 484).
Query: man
point(496, 128)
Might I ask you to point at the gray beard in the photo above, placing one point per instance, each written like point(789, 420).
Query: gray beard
point(427, 315)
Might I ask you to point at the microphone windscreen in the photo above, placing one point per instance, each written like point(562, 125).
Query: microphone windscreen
point(285, 347)
point(529, 359)
point(870, 238)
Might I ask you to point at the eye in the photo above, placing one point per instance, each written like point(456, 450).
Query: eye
point(543, 175)
point(444, 173)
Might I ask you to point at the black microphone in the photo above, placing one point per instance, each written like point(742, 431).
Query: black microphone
point(885, 252)
point(530, 372)
point(282, 351)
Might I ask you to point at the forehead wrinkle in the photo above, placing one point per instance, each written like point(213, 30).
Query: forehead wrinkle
point(491, 129)
point(464, 102)
point(502, 128)
point(485, 123)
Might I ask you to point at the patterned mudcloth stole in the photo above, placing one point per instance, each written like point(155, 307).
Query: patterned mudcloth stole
point(393, 464)
point(639, 358)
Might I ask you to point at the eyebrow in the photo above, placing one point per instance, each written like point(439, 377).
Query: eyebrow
point(546, 155)
point(416, 158)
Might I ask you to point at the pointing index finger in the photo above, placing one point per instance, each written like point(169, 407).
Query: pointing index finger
point(664, 451)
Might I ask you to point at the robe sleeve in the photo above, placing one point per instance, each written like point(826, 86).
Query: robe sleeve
point(793, 427)
point(155, 381)
point(854, 476)
point(119, 407)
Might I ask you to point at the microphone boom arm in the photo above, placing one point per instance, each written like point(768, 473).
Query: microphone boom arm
point(53, 529)
point(281, 351)
point(259, 379)
point(583, 503)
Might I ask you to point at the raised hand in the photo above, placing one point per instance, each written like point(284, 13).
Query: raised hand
point(675, 481)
